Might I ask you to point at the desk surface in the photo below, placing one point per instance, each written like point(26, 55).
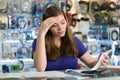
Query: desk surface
point(54, 75)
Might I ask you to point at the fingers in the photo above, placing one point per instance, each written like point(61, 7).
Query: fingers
point(46, 24)
point(105, 60)
point(49, 22)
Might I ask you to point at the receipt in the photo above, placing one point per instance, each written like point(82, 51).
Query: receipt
point(100, 59)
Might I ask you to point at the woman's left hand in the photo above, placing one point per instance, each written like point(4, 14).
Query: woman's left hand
point(105, 60)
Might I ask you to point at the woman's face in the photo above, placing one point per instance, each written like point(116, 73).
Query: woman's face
point(59, 28)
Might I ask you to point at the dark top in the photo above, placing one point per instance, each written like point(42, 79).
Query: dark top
point(64, 62)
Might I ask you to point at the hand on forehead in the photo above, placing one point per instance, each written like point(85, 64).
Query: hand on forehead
point(59, 18)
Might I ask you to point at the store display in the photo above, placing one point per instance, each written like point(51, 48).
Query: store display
point(104, 6)
point(69, 5)
point(104, 33)
point(84, 7)
point(74, 20)
point(114, 34)
point(50, 3)
point(62, 4)
point(14, 35)
point(13, 22)
point(3, 22)
point(95, 6)
point(92, 46)
point(6, 50)
point(112, 6)
point(25, 6)
point(3, 6)
point(14, 6)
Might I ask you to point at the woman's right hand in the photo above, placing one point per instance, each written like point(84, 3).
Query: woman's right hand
point(46, 24)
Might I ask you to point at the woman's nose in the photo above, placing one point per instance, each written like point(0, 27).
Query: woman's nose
point(59, 27)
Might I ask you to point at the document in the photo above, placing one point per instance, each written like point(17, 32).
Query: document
point(97, 66)
point(100, 59)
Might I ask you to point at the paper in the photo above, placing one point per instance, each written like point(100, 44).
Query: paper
point(100, 59)
point(110, 67)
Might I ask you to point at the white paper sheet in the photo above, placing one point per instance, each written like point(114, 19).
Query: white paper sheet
point(100, 59)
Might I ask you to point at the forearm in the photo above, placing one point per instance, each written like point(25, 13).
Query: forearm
point(40, 54)
point(88, 60)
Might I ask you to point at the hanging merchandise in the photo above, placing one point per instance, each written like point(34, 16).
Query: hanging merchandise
point(14, 6)
point(104, 47)
point(25, 6)
point(3, 22)
point(104, 6)
point(69, 5)
point(92, 46)
point(74, 19)
point(118, 5)
point(24, 22)
point(14, 35)
point(104, 33)
point(84, 25)
point(51, 3)
point(36, 20)
point(112, 6)
point(83, 7)
point(13, 22)
point(117, 50)
point(114, 34)
point(62, 4)
point(6, 50)
point(3, 6)
point(101, 18)
point(92, 33)
point(78, 35)
point(113, 18)
point(115, 58)
point(38, 7)
point(23, 50)
point(95, 6)
point(3, 35)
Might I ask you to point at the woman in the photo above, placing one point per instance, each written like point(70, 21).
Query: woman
point(56, 48)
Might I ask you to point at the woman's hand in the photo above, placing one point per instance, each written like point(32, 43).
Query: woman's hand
point(46, 24)
point(105, 60)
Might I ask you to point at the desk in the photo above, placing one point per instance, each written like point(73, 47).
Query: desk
point(55, 75)
point(40, 75)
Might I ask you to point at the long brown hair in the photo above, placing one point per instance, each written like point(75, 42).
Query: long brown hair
point(68, 46)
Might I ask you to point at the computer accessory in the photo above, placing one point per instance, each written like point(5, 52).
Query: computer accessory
point(114, 34)
point(69, 5)
point(24, 22)
point(62, 5)
point(83, 7)
point(25, 6)
point(92, 46)
point(3, 22)
point(104, 6)
point(104, 33)
point(112, 6)
point(3, 6)
point(13, 22)
point(51, 4)
point(14, 6)
point(95, 6)
point(78, 35)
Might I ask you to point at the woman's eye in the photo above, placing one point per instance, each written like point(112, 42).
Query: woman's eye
point(54, 25)
point(63, 22)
